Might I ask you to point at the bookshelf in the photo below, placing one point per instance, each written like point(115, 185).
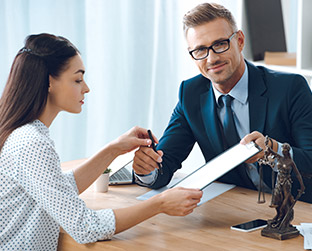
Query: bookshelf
point(304, 38)
point(303, 43)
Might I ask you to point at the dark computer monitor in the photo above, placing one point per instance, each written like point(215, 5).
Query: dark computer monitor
point(265, 27)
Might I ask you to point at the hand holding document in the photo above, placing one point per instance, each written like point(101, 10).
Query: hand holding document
point(209, 192)
point(204, 176)
point(219, 166)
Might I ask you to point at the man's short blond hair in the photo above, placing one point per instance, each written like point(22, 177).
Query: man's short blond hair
point(207, 12)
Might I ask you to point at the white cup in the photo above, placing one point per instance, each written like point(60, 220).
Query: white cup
point(101, 183)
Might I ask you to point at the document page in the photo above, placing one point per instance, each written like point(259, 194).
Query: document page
point(218, 166)
point(213, 190)
point(205, 176)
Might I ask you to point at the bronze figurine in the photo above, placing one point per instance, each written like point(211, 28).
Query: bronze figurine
point(282, 200)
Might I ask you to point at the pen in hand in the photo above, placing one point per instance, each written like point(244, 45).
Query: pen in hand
point(154, 148)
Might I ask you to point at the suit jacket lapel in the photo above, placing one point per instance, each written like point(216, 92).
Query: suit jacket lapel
point(257, 101)
point(212, 126)
point(257, 108)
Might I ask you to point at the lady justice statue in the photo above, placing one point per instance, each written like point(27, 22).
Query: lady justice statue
point(282, 200)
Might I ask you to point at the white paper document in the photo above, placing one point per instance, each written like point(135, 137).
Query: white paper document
point(218, 166)
point(305, 230)
point(209, 192)
point(204, 177)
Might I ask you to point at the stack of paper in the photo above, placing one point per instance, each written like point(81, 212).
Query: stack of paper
point(305, 230)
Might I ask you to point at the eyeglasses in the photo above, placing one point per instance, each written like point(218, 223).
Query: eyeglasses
point(218, 47)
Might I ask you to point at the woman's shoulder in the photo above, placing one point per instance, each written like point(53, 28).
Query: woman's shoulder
point(28, 134)
point(28, 130)
point(24, 142)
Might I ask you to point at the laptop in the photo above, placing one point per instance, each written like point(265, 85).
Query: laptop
point(121, 169)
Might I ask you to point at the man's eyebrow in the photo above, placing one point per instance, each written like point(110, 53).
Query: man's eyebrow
point(197, 47)
point(80, 71)
point(204, 46)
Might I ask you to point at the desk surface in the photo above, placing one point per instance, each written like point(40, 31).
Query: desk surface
point(207, 228)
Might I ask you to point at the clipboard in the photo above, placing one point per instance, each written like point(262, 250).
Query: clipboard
point(218, 166)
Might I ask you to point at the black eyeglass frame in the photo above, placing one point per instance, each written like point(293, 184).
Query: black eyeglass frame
point(211, 47)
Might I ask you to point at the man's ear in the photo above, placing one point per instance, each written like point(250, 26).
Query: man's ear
point(241, 40)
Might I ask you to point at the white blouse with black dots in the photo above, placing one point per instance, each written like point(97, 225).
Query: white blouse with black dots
point(36, 197)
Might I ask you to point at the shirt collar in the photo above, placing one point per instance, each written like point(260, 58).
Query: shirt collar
point(41, 127)
point(239, 91)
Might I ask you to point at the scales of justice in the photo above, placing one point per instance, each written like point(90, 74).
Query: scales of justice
point(282, 200)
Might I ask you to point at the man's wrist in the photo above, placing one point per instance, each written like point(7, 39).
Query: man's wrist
point(273, 145)
point(143, 175)
point(146, 179)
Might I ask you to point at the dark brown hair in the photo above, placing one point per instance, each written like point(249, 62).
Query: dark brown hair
point(25, 94)
point(207, 12)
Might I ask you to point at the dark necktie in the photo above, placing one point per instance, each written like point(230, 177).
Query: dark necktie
point(249, 176)
point(229, 128)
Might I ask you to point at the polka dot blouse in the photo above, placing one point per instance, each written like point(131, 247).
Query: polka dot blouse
point(36, 197)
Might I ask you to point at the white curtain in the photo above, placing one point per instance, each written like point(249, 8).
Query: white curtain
point(135, 57)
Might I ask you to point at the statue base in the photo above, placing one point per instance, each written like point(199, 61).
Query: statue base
point(280, 234)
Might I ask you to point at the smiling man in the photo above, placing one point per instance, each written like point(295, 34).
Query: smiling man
point(231, 101)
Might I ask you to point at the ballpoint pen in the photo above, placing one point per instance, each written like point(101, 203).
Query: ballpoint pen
point(154, 148)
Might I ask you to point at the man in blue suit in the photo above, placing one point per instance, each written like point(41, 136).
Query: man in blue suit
point(263, 102)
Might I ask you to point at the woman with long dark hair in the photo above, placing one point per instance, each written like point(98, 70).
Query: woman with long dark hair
point(36, 197)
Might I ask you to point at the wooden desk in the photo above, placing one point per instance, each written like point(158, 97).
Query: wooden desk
point(207, 228)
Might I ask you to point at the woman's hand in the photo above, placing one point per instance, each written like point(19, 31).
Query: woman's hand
point(90, 170)
point(179, 201)
point(131, 140)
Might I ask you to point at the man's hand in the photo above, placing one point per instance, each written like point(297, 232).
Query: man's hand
point(146, 160)
point(259, 139)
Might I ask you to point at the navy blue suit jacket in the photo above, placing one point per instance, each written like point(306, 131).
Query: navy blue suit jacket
point(280, 105)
